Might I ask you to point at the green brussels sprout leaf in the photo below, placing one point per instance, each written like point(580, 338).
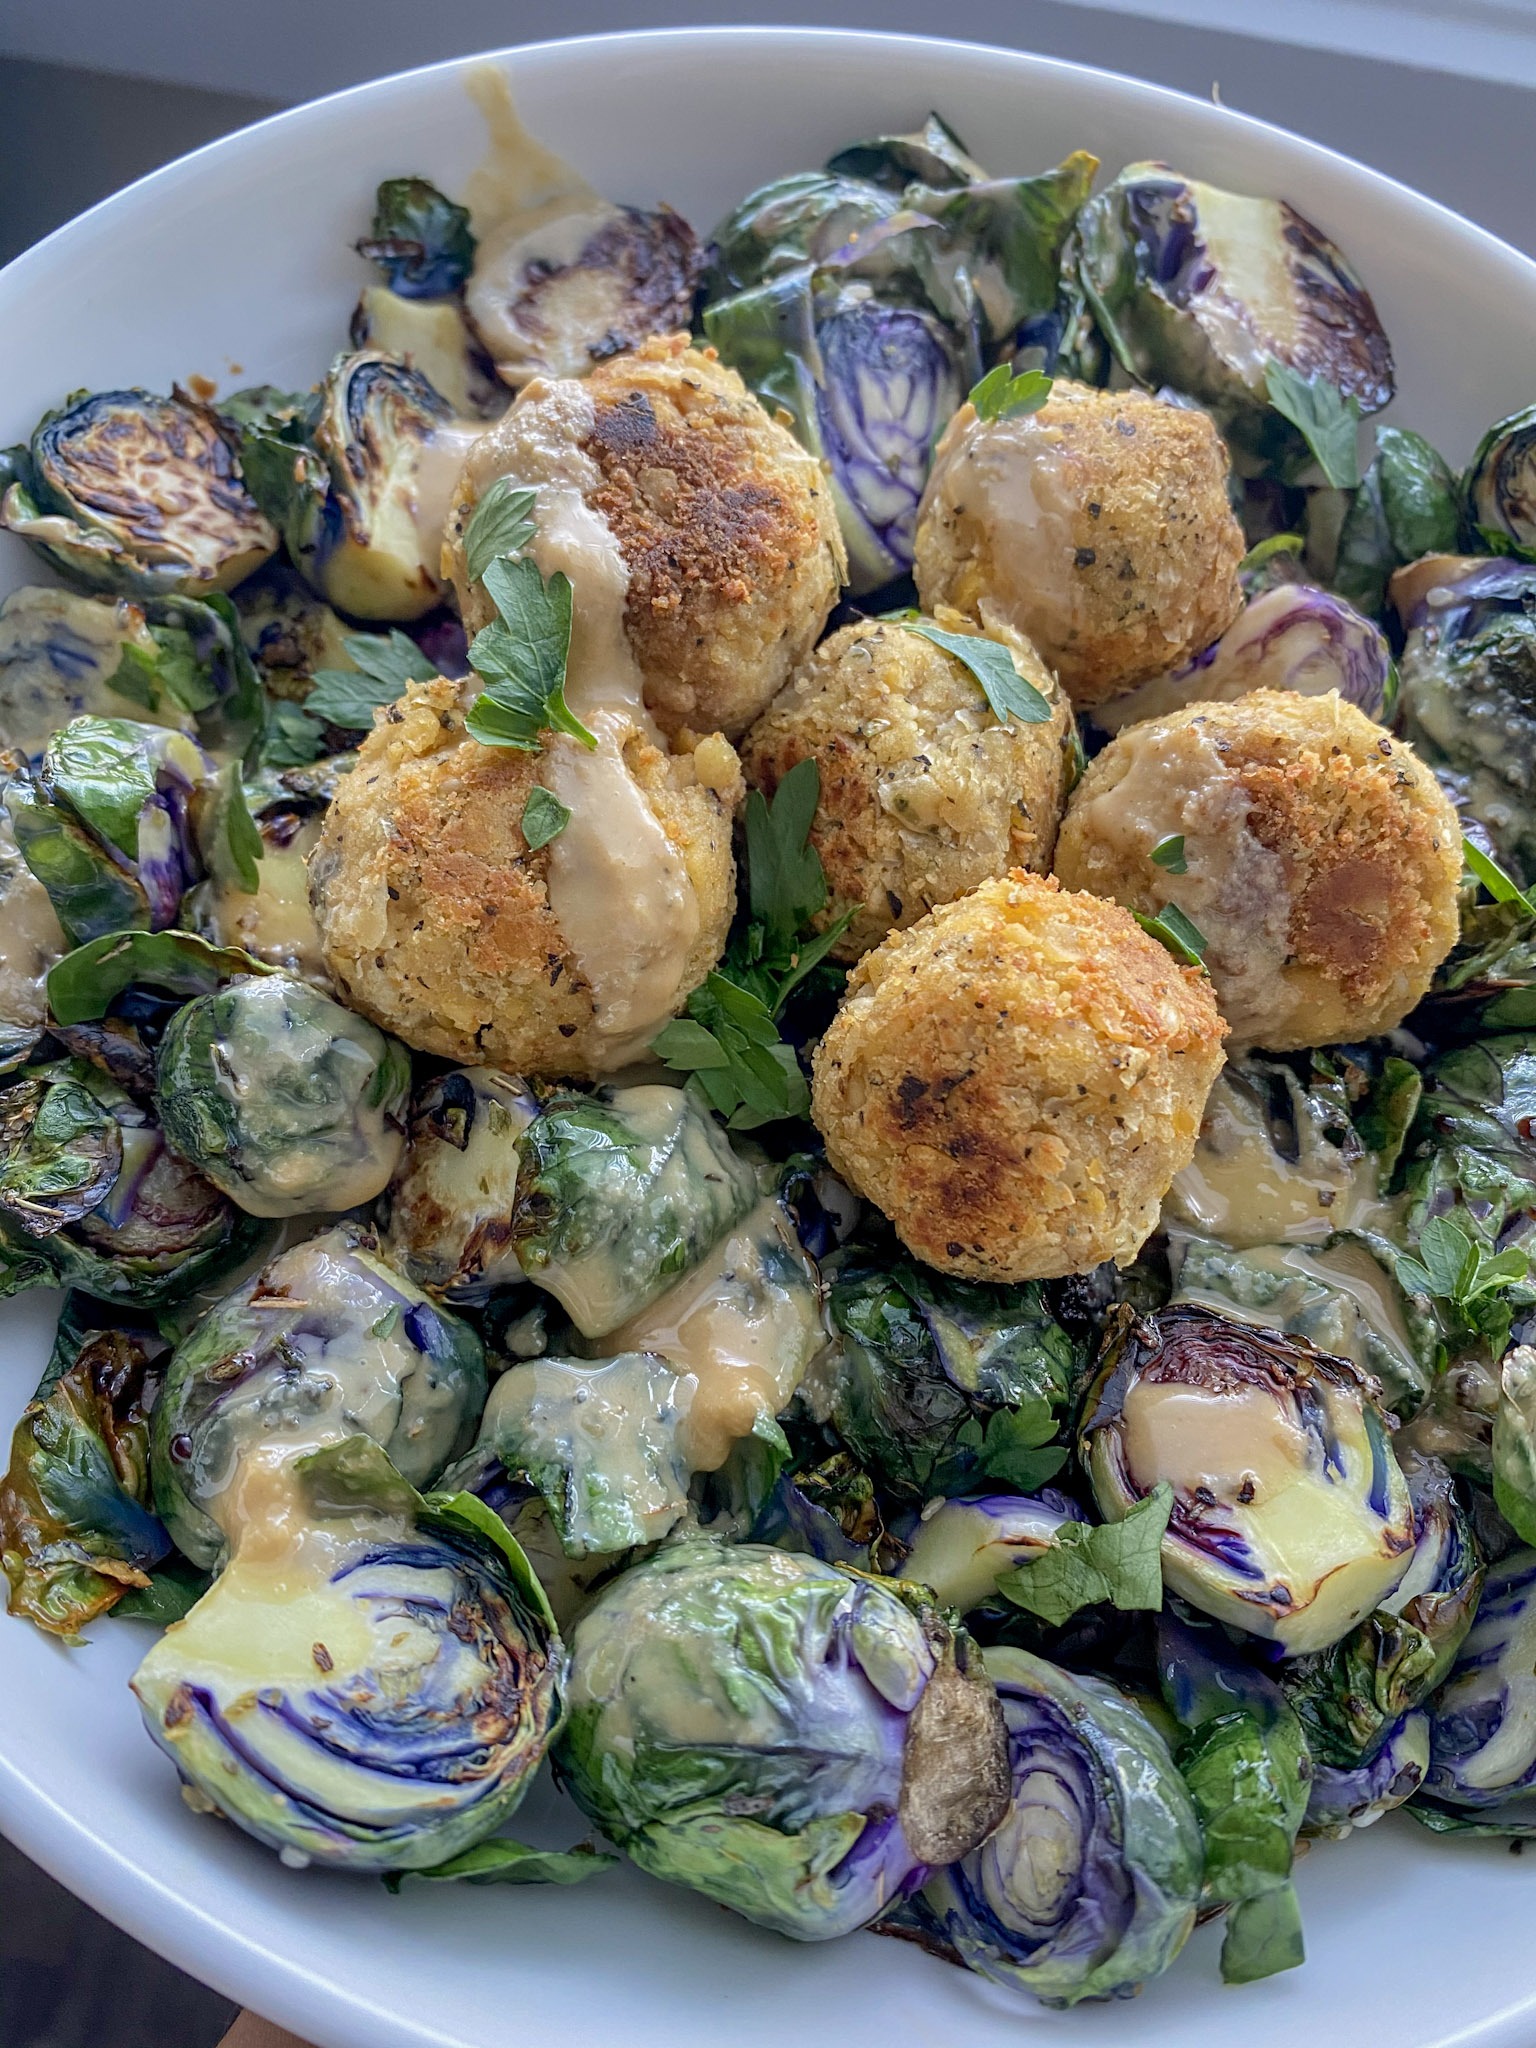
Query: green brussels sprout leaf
point(544, 817)
point(1326, 420)
point(1169, 854)
point(85, 982)
point(501, 1861)
point(174, 1589)
point(60, 1152)
point(420, 239)
point(1004, 391)
point(1087, 1563)
point(385, 664)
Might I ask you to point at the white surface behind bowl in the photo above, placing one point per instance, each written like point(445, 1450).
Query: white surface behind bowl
point(235, 264)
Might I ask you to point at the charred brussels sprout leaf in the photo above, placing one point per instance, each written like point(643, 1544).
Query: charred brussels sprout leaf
point(421, 241)
point(61, 1151)
point(1405, 508)
point(137, 496)
point(1501, 486)
point(284, 1099)
point(939, 1381)
point(76, 1533)
point(86, 982)
point(1114, 1901)
point(933, 155)
point(794, 1740)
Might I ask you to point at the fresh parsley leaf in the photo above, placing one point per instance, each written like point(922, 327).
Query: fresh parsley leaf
point(1169, 854)
point(240, 830)
point(544, 817)
point(1009, 694)
point(1326, 420)
point(1502, 887)
point(292, 739)
point(786, 884)
point(1089, 1564)
point(729, 1044)
point(1002, 392)
point(1180, 934)
point(521, 657)
point(1453, 1267)
point(500, 524)
point(384, 666)
point(1016, 1448)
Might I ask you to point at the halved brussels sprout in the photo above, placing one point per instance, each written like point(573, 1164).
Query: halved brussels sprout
point(64, 656)
point(289, 632)
point(274, 922)
point(448, 1212)
point(31, 937)
point(830, 1510)
point(1407, 507)
point(933, 154)
point(1296, 637)
point(1089, 1887)
point(804, 218)
point(601, 1443)
point(1203, 289)
point(76, 1533)
point(1469, 691)
point(621, 1192)
point(1351, 1697)
point(796, 1741)
point(358, 480)
point(580, 285)
point(1471, 1155)
point(1483, 1741)
point(325, 1342)
point(928, 1365)
point(391, 1709)
point(420, 239)
point(432, 336)
point(91, 1196)
point(1501, 486)
point(962, 1547)
point(1291, 1516)
point(135, 495)
point(284, 1099)
point(1341, 1799)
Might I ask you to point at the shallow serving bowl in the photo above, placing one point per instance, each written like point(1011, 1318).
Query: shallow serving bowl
point(235, 265)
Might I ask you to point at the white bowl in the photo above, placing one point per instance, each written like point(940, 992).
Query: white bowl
point(235, 264)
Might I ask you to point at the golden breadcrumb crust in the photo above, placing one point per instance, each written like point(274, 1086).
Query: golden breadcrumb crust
point(924, 793)
point(1016, 1080)
point(1099, 527)
point(1322, 858)
point(435, 916)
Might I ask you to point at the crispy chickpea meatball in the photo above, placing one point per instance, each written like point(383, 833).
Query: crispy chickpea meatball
point(439, 923)
point(1321, 858)
point(1016, 1080)
point(725, 523)
point(924, 793)
point(1098, 526)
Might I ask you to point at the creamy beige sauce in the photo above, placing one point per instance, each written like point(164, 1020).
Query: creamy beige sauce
point(277, 923)
point(434, 483)
point(1238, 1189)
point(31, 938)
point(1013, 479)
point(1194, 1437)
point(618, 886)
point(746, 1323)
point(519, 177)
point(432, 337)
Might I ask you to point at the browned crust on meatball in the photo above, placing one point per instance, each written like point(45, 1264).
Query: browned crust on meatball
point(727, 527)
point(434, 914)
point(1016, 1080)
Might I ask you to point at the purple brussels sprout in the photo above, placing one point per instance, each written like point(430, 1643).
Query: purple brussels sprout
point(1483, 1739)
point(1501, 486)
point(1342, 1798)
point(963, 1546)
point(794, 1740)
point(1294, 636)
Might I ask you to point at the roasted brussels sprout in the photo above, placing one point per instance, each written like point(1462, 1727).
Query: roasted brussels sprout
point(1469, 691)
point(76, 1532)
point(272, 922)
point(391, 1710)
point(1483, 1739)
point(962, 1547)
point(324, 1343)
point(448, 1212)
point(92, 1197)
point(135, 495)
point(1351, 1697)
point(621, 1192)
point(31, 937)
point(1089, 1886)
point(552, 296)
point(1341, 1798)
point(421, 241)
point(1203, 289)
point(1296, 637)
point(434, 338)
point(358, 480)
point(796, 1741)
point(1291, 1515)
point(289, 633)
point(1501, 487)
point(63, 656)
point(790, 222)
point(937, 1381)
point(1471, 1155)
point(1407, 507)
point(287, 1102)
point(105, 824)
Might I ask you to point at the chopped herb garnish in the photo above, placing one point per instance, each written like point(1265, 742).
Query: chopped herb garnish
point(521, 656)
point(385, 665)
point(1088, 1564)
point(1009, 694)
point(544, 817)
point(1180, 934)
point(1169, 854)
point(1501, 886)
point(1326, 420)
point(1453, 1267)
point(1003, 391)
point(500, 524)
